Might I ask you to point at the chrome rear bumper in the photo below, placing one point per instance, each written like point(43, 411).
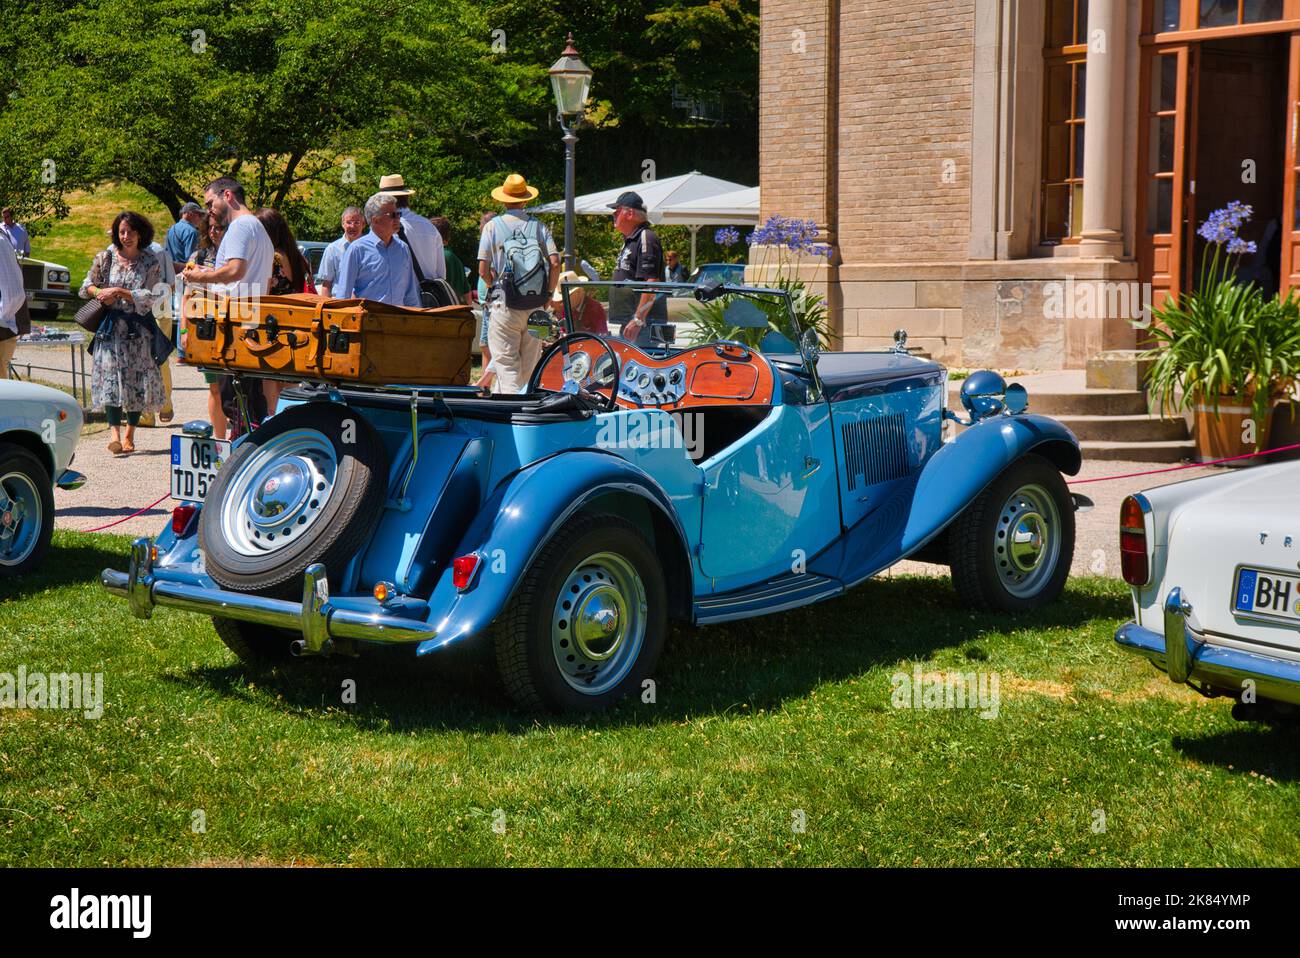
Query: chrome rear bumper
point(319, 622)
point(1186, 657)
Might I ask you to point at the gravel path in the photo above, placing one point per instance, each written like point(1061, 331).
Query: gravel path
point(117, 487)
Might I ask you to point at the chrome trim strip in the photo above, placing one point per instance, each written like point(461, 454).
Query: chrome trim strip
point(70, 480)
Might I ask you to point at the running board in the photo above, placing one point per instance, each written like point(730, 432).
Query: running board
point(775, 595)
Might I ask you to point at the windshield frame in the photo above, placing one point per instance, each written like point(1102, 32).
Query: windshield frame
point(680, 290)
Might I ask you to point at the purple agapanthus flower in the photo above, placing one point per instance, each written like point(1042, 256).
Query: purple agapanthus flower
point(727, 236)
point(1221, 227)
point(799, 236)
point(1237, 246)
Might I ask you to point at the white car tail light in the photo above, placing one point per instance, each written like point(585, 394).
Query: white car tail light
point(1134, 554)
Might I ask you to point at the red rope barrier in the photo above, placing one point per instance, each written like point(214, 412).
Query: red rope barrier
point(1193, 465)
point(118, 522)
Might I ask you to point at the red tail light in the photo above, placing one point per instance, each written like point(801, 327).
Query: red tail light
point(462, 571)
point(181, 518)
point(1134, 560)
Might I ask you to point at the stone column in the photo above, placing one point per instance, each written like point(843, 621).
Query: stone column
point(1103, 149)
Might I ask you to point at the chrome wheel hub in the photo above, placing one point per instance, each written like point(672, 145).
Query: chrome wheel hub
point(1026, 543)
point(20, 517)
point(279, 493)
point(598, 624)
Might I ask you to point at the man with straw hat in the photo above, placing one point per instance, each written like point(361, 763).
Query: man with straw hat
point(518, 261)
point(417, 232)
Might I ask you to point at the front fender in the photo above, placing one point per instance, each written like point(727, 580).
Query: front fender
point(517, 520)
point(961, 469)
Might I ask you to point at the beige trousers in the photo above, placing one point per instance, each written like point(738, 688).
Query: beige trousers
point(165, 323)
point(7, 349)
point(514, 349)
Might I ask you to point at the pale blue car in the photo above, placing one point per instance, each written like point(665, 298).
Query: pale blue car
point(623, 489)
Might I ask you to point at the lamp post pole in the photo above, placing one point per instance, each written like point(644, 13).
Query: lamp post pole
point(570, 82)
point(570, 216)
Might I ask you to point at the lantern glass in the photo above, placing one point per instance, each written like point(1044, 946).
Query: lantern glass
point(570, 82)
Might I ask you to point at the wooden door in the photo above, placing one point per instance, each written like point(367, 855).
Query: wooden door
point(1166, 151)
point(1290, 271)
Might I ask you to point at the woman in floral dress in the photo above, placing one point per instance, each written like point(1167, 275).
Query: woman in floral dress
point(125, 381)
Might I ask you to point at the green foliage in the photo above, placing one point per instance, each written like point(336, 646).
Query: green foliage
point(1224, 340)
point(789, 712)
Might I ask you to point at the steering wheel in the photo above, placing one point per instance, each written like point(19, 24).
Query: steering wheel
point(609, 403)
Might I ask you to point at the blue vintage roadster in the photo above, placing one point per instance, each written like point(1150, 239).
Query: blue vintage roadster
point(629, 485)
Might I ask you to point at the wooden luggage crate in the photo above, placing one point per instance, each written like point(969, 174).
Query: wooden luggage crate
point(303, 336)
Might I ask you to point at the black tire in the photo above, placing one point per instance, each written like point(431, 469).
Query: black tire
point(986, 574)
point(257, 645)
point(329, 531)
point(528, 652)
point(26, 483)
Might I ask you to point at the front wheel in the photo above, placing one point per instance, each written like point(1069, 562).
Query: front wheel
point(588, 621)
point(1012, 547)
point(26, 511)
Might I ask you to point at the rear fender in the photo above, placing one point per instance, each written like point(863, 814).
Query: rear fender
point(522, 514)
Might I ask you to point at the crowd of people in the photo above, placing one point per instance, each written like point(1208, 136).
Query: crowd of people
point(387, 252)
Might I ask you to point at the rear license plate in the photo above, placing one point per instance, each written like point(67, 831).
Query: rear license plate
point(1263, 592)
point(194, 466)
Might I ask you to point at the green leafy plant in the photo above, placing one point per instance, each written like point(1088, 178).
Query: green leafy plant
point(1224, 338)
point(783, 238)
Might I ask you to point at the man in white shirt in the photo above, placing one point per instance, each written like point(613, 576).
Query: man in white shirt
point(242, 269)
point(420, 235)
point(12, 297)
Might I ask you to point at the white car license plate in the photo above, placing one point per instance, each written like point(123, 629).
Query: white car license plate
point(1264, 592)
point(194, 465)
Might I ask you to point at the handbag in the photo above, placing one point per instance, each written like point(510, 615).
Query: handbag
point(91, 315)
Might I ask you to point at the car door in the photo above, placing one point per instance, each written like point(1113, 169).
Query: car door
point(770, 499)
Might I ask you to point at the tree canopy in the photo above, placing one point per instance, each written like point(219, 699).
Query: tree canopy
point(308, 102)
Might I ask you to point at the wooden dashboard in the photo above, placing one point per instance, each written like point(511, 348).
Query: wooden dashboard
point(712, 375)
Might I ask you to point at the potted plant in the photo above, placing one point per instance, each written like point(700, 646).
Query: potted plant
point(787, 237)
point(1224, 349)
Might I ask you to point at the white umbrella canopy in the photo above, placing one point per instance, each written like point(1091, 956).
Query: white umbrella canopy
point(737, 208)
point(656, 194)
point(662, 198)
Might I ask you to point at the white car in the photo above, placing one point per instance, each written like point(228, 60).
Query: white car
point(1215, 568)
point(48, 286)
point(39, 427)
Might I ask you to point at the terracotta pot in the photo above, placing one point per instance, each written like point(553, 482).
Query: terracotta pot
point(1225, 434)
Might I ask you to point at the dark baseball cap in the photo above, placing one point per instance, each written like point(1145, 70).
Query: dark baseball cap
point(629, 199)
point(191, 208)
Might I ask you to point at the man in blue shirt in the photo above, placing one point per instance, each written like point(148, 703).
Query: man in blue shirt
point(378, 265)
point(17, 236)
point(332, 258)
point(183, 237)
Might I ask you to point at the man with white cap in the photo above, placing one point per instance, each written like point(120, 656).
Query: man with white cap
point(418, 233)
point(520, 264)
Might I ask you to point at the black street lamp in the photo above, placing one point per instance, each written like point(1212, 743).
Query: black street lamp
point(570, 81)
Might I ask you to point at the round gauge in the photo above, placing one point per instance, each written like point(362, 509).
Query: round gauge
point(644, 380)
point(576, 367)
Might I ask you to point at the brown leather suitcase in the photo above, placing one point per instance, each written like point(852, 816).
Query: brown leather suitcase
point(305, 336)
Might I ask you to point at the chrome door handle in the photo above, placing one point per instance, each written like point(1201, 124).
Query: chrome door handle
point(811, 465)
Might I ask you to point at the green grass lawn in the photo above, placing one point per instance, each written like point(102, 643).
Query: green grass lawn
point(754, 725)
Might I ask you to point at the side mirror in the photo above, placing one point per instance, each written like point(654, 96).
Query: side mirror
point(983, 394)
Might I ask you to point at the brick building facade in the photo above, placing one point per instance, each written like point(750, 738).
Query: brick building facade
point(940, 146)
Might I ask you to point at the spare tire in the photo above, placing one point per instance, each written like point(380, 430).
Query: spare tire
point(306, 487)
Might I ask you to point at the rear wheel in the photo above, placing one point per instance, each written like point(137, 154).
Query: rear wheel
point(587, 623)
point(1012, 547)
point(26, 511)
